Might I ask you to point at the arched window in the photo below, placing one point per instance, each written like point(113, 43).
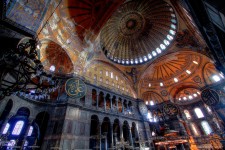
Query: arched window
point(6, 128)
point(208, 109)
point(187, 114)
point(194, 129)
point(199, 113)
point(207, 129)
point(30, 131)
point(18, 128)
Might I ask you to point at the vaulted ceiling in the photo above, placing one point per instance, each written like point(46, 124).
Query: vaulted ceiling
point(147, 49)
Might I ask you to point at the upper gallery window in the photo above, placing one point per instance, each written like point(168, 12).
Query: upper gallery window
point(18, 127)
point(199, 113)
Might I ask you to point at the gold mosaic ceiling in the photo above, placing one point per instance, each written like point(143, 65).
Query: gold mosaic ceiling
point(127, 33)
point(138, 31)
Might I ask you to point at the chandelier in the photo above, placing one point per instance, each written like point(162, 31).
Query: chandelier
point(22, 72)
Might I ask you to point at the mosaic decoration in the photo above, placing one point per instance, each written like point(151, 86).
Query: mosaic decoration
point(164, 93)
point(197, 79)
point(75, 88)
point(27, 13)
point(186, 39)
point(170, 109)
point(135, 23)
point(210, 97)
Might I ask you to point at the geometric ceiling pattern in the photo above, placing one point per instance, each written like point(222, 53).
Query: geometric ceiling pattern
point(128, 33)
point(175, 65)
point(138, 31)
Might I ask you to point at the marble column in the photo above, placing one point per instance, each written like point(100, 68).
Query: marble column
point(106, 140)
point(100, 136)
point(122, 106)
point(105, 103)
point(121, 132)
point(111, 106)
point(117, 109)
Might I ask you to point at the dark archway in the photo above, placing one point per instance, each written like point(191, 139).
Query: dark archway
point(108, 103)
point(94, 97)
point(101, 100)
point(126, 133)
point(106, 133)
point(94, 133)
point(82, 100)
point(120, 107)
point(135, 137)
point(116, 131)
point(114, 103)
point(42, 121)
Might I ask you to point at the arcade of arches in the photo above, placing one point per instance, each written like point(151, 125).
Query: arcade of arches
point(153, 71)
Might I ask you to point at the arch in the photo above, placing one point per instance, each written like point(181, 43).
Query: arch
point(107, 101)
point(206, 127)
point(116, 131)
point(209, 70)
point(135, 137)
point(42, 119)
point(152, 96)
point(126, 132)
point(94, 97)
point(114, 105)
point(101, 99)
point(120, 105)
point(117, 75)
point(181, 86)
point(94, 132)
point(106, 132)
point(198, 112)
point(23, 111)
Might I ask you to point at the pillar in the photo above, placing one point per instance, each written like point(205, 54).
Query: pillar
point(100, 136)
point(122, 106)
point(111, 106)
point(117, 109)
point(121, 132)
point(105, 103)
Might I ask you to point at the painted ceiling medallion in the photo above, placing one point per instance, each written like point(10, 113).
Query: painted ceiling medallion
point(138, 32)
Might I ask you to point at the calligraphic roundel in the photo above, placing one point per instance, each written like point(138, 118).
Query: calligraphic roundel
point(210, 97)
point(75, 88)
point(170, 109)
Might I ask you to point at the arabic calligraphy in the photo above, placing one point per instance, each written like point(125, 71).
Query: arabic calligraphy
point(75, 88)
point(210, 97)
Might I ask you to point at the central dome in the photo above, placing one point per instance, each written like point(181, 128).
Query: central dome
point(138, 31)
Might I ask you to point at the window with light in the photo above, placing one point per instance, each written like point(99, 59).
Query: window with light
point(6, 128)
point(18, 128)
point(194, 129)
point(199, 113)
point(187, 114)
point(207, 129)
point(30, 131)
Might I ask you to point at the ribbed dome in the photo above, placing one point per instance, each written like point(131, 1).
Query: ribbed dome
point(138, 31)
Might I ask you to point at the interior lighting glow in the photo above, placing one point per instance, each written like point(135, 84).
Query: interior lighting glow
point(149, 85)
point(195, 62)
point(185, 98)
point(190, 97)
point(154, 53)
point(195, 95)
point(161, 84)
point(188, 72)
point(216, 78)
point(52, 68)
point(175, 80)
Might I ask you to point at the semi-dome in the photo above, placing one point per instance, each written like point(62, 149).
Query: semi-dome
point(138, 32)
